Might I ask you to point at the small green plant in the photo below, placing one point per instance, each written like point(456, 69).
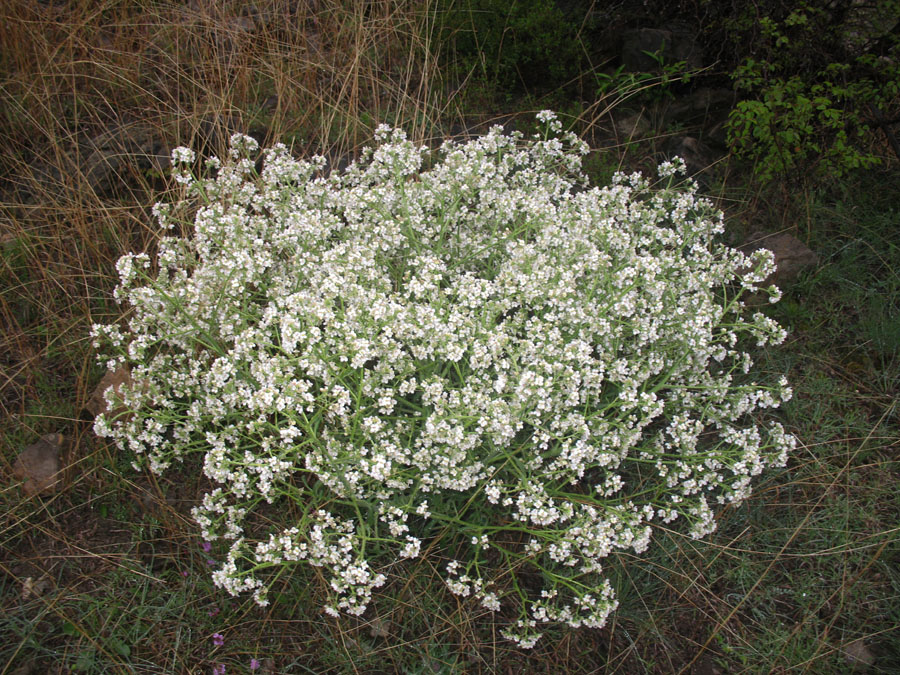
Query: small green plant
point(621, 81)
point(651, 87)
point(476, 357)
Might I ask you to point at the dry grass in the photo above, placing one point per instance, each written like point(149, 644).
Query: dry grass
point(96, 94)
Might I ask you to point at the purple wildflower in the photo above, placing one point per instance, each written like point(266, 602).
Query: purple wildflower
point(254, 664)
point(206, 546)
point(218, 639)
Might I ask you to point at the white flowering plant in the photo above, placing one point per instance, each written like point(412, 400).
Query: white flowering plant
point(468, 342)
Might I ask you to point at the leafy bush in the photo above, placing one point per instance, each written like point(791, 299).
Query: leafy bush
point(818, 79)
point(483, 353)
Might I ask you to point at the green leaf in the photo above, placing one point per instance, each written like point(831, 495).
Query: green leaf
point(85, 661)
point(120, 647)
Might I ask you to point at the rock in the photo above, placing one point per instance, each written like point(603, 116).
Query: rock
point(633, 126)
point(30, 587)
point(674, 42)
point(267, 667)
point(705, 665)
point(858, 656)
point(46, 176)
point(7, 239)
point(792, 256)
point(705, 99)
point(127, 148)
point(97, 404)
point(637, 43)
point(39, 465)
point(381, 628)
point(106, 163)
point(865, 23)
point(697, 156)
point(717, 133)
point(702, 105)
point(27, 668)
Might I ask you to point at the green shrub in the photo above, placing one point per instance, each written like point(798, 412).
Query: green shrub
point(816, 80)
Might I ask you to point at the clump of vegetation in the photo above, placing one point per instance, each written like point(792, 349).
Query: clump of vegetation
point(475, 350)
point(818, 83)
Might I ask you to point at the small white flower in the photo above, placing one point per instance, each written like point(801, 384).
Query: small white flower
point(183, 155)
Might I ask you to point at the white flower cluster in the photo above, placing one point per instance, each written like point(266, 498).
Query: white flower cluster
point(484, 346)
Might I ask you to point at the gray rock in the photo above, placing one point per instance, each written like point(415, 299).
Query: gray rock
point(26, 668)
point(717, 134)
point(704, 104)
point(106, 163)
point(632, 126)
point(792, 256)
point(867, 22)
point(674, 42)
point(111, 158)
point(39, 465)
point(858, 656)
point(698, 157)
point(45, 177)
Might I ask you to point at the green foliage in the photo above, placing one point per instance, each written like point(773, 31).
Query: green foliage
point(794, 122)
point(815, 79)
point(645, 86)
